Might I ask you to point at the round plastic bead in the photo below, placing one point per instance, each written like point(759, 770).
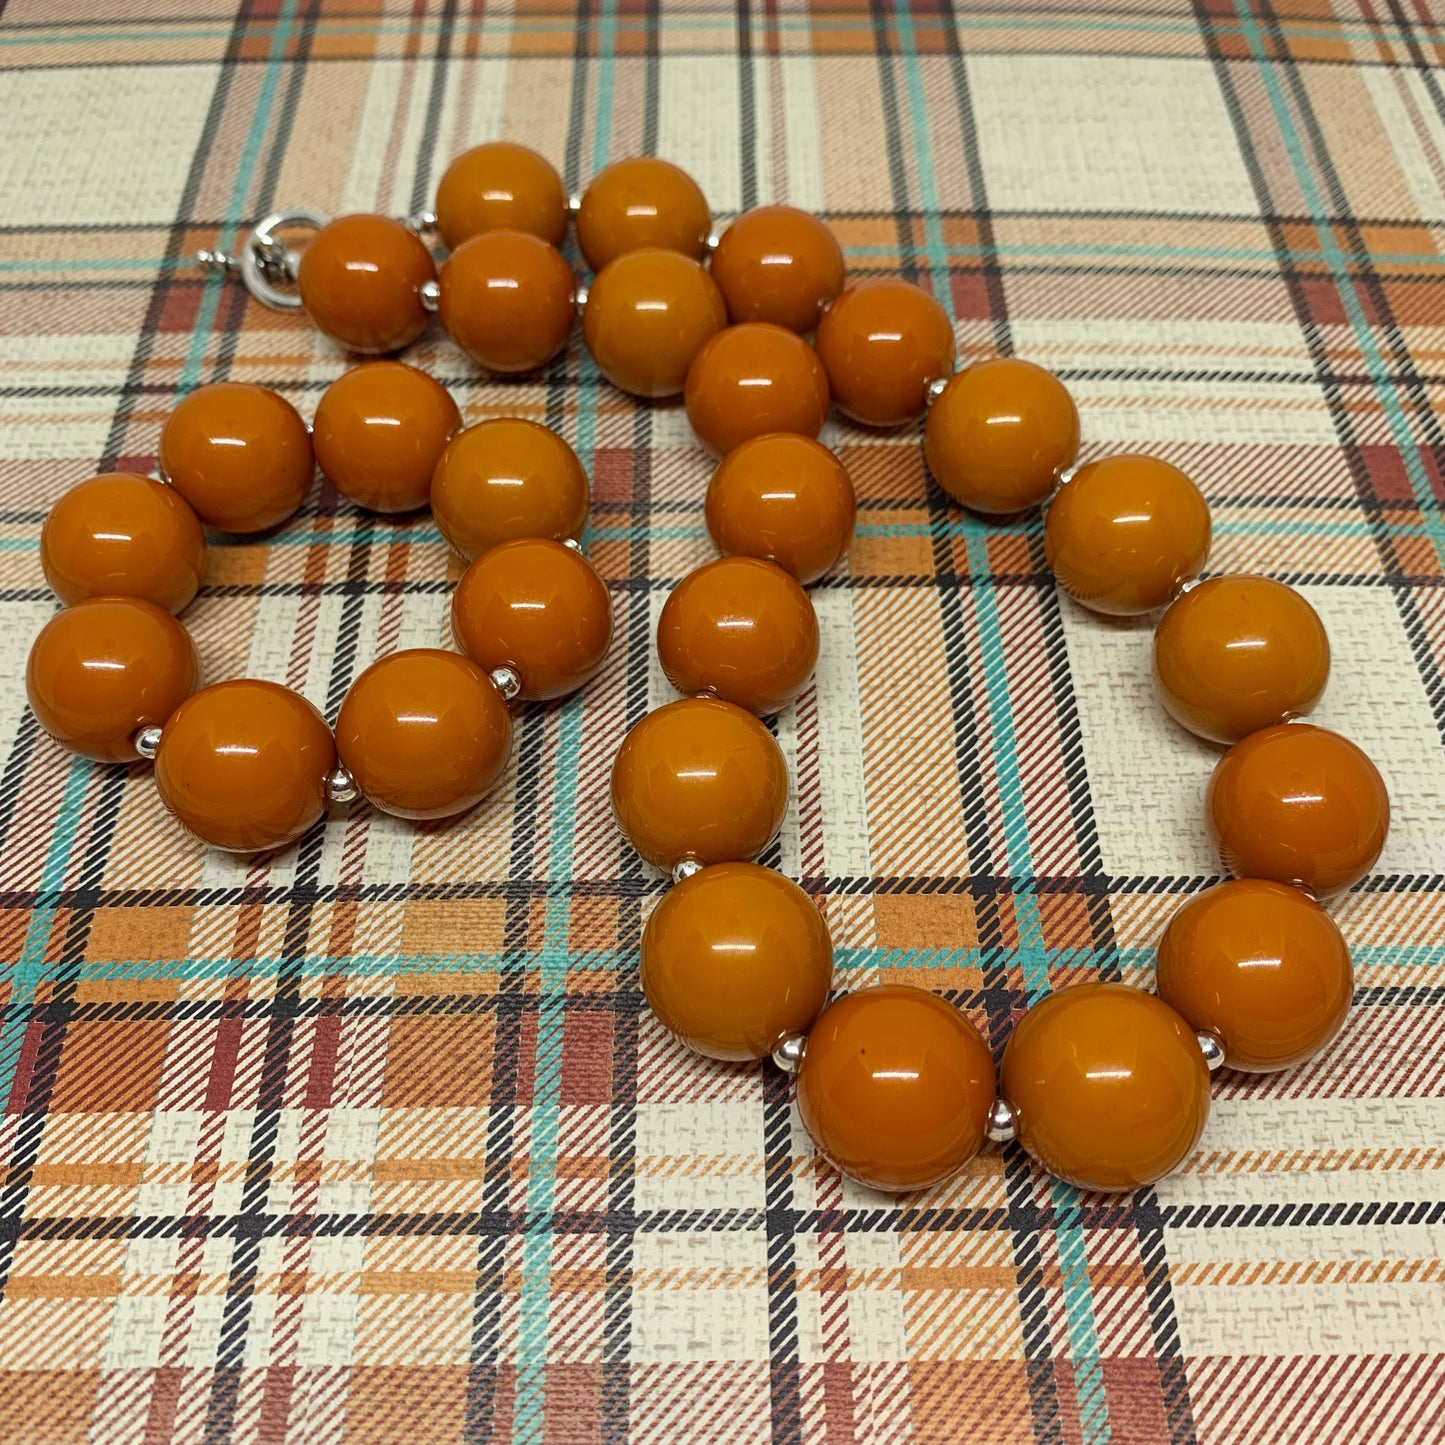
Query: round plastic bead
point(104, 669)
point(380, 430)
point(424, 734)
point(778, 264)
point(508, 478)
point(244, 764)
point(122, 535)
point(500, 186)
point(239, 454)
point(735, 959)
point(1109, 1087)
point(895, 1087)
point(647, 316)
point(1000, 434)
point(360, 281)
point(539, 608)
point(882, 343)
point(1123, 534)
point(699, 779)
point(642, 203)
point(750, 380)
point(741, 629)
point(1298, 804)
point(1260, 966)
point(1236, 654)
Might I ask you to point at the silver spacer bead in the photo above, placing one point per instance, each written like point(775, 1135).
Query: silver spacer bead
point(1186, 586)
point(147, 741)
point(712, 241)
point(789, 1054)
point(574, 202)
point(1001, 1122)
point(936, 388)
point(341, 787)
point(580, 295)
point(572, 543)
point(431, 295)
point(420, 221)
point(508, 683)
point(1212, 1048)
point(684, 868)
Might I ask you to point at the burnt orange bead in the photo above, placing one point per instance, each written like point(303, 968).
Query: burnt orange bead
point(642, 203)
point(239, 454)
point(882, 343)
point(647, 315)
point(122, 535)
point(1260, 966)
point(751, 380)
point(1000, 434)
point(508, 478)
point(1298, 804)
point(539, 608)
point(1108, 1085)
point(360, 281)
point(895, 1087)
point(741, 629)
point(104, 669)
point(501, 186)
point(778, 264)
point(699, 779)
point(1236, 654)
point(784, 498)
point(379, 432)
point(244, 765)
point(507, 300)
point(735, 959)
point(1123, 534)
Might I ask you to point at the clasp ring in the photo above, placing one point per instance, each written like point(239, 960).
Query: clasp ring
point(265, 263)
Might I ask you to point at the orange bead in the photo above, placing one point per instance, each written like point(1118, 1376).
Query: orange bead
point(1236, 654)
point(239, 454)
point(1123, 534)
point(751, 380)
point(642, 203)
point(1000, 434)
point(539, 608)
point(778, 264)
point(647, 315)
point(1108, 1085)
point(784, 498)
point(699, 779)
point(122, 535)
point(360, 281)
point(508, 478)
point(1298, 804)
point(379, 432)
point(104, 669)
point(424, 734)
point(735, 959)
point(507, 299)
point(1260, 966)
point(500, 186)
point(741, 629)
point(882, 343)
point(244, 765)
point(895, 1087)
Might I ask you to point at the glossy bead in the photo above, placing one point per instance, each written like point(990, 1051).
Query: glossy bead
point(643, 202)
point(999, 435)
point(500, 186)
point(1236, 654)
point(1108, 1086)
point(699, 779)
point(508, 478)
point(735, 959)
point(243, 765)
point(1262, 967)
point(539, 608)
point(379, 432)
point(122, 535)
point(1123, 534)
point(882, 343)
point(104, 669)
point(507, 300)
point(895, 1087)
point(751, 380)
point(741, 629)
point(784, 498)
point(1298, 804)
point(239, 454)
point(778, 264)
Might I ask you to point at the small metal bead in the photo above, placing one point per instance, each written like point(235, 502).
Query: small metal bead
point(789, 1054)
point(1212, 1049)
point(573, 543)
point(574, 202)
point(685, 868)
point(147, 740)
point(579, 297)
point(1188, 585)
point(431, 295)
point(1001, 1124)
point(340, 786)
point(936, 388)
point(420, 221)
point(507, 682)
point(219, 262)
point(712, 242)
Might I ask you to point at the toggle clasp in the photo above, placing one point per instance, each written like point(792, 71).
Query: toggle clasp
point(266, 263)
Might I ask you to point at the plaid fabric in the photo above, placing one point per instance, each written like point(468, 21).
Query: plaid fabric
point(376, 1140)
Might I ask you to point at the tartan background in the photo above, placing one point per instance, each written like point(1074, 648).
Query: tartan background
point(376, 1139)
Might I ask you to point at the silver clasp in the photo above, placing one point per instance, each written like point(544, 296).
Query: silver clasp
point(266, 263)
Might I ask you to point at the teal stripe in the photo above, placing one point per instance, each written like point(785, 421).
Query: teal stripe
point(1079, 1313)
